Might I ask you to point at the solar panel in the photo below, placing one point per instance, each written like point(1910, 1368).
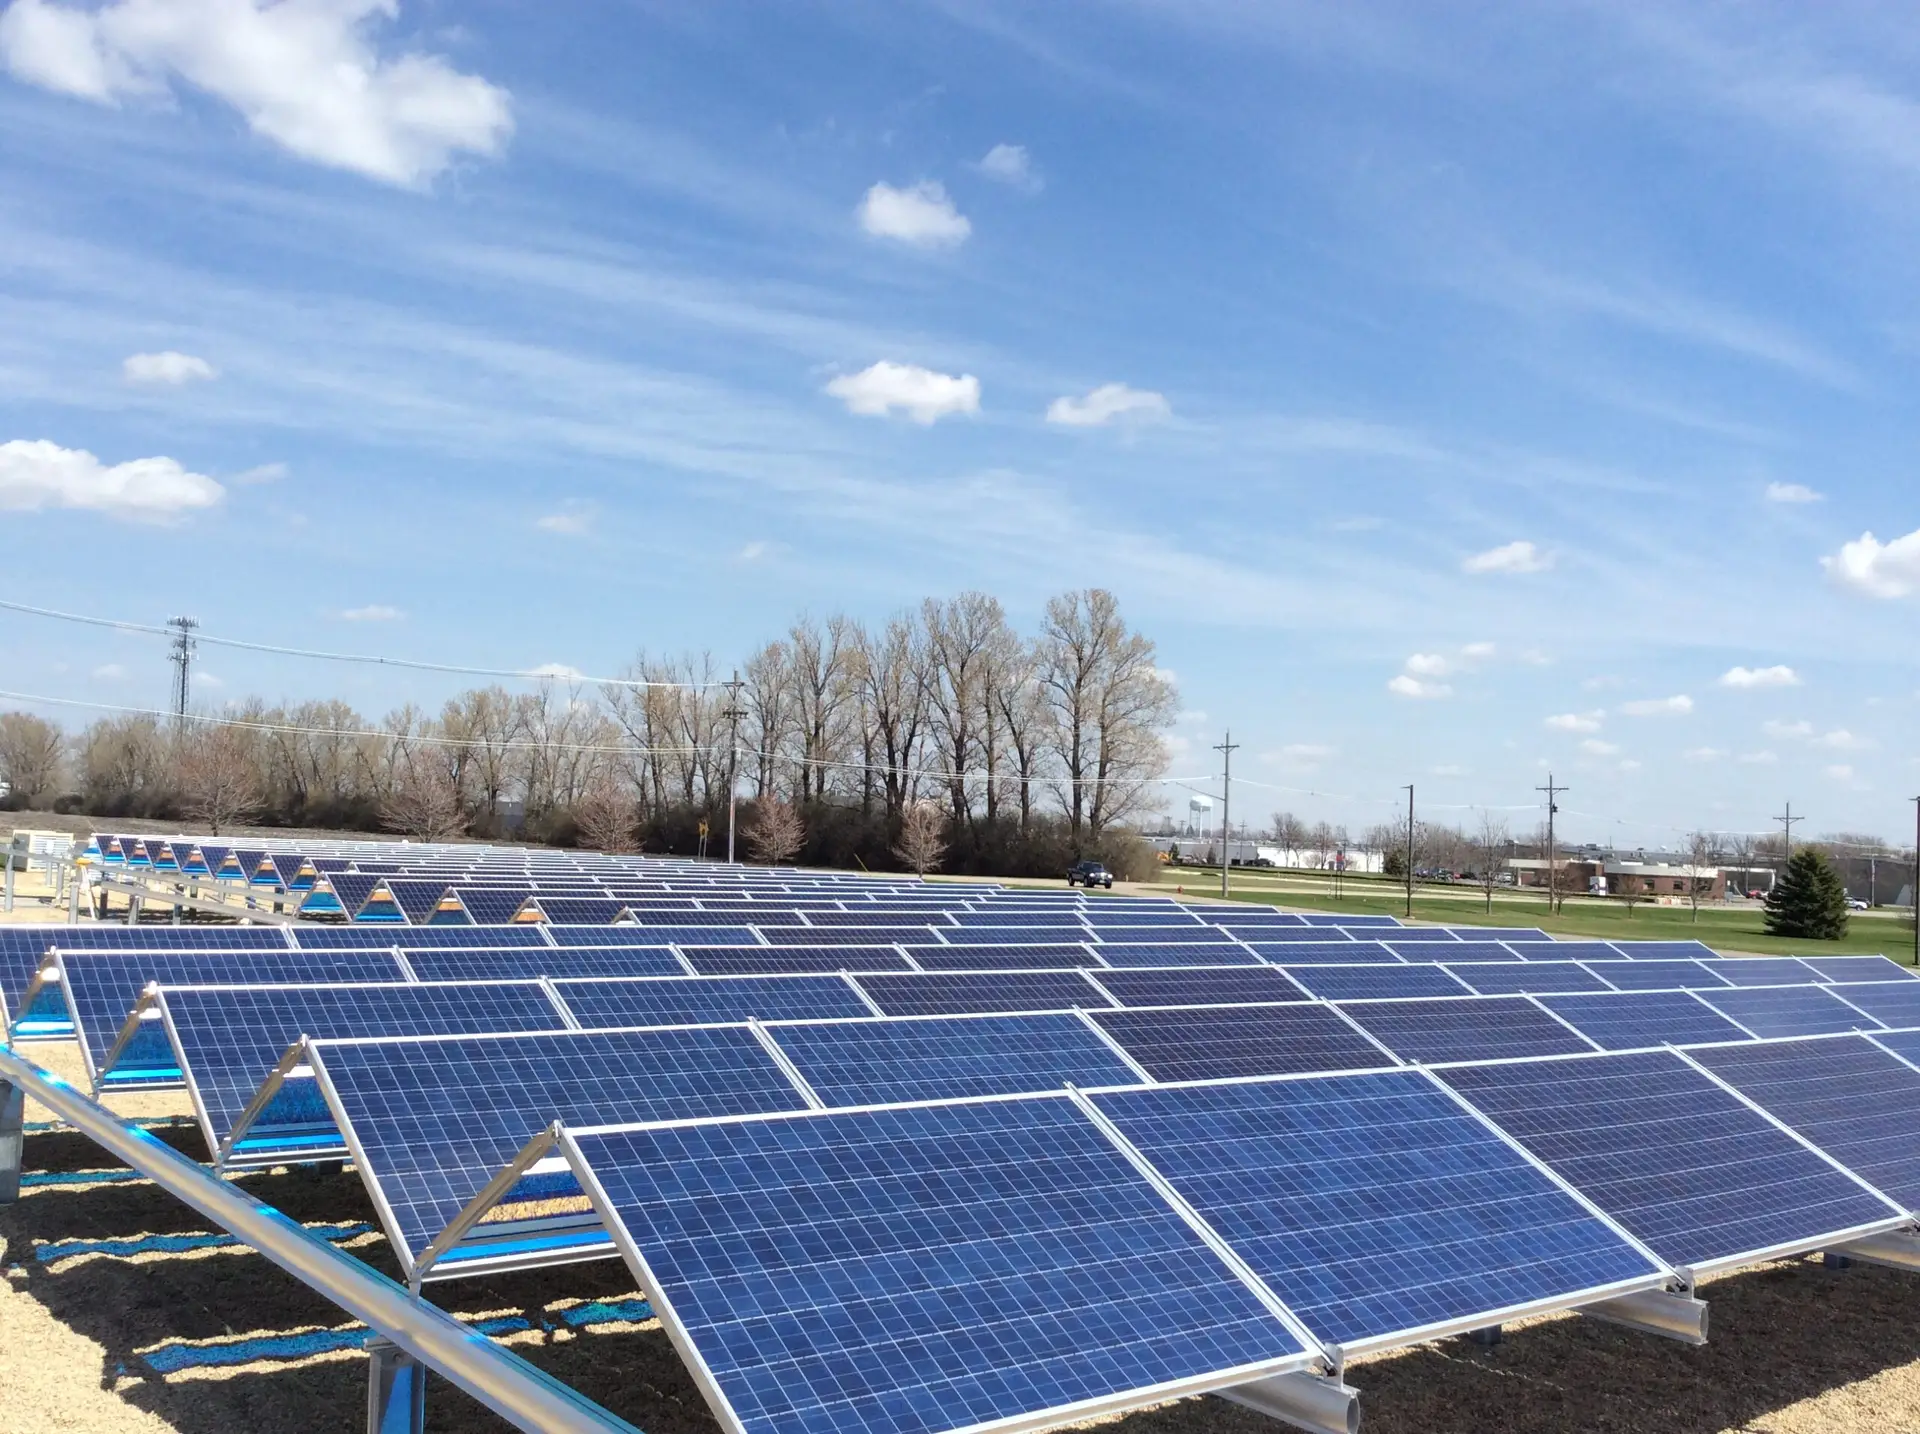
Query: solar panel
point(499, 965)
point(229, 1038)
point(1500, 933)
point(1005, 935)
point(1629, 1020)
point(1478, 1028)
point(1659, 975)
point(1479, 951)
point(434, 1120)
point(1857, 968)
point(1303, 935)
point(1423, 934)
point(1762, 971)
point(1773, 1011)
point(1324, 953)
point(1566, 951)
point(1175, 954)
point(849, 1063)
point(337, 938)
point(1892, 1003)
point(1216, 1042)
point(955, 994)
point(864, 935)
point(693, 1000)
point(1199, 986)
point(493, 908)
point(1665, 950)
point(909, 1271)
point(1528, 978)
point(1466, 1227)
point(1336, 918)
point(581, 910)
point(654, 935)
point(1037, 956)
point(23, 949)
point(773, 960)
point(1683, 1165)
point(1855, 1101)
point(1185, 936)
point(1362, 983)
point(102, 988)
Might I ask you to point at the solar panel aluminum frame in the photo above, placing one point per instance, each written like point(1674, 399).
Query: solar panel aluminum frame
point(296, 1064)
point(1312, 1359)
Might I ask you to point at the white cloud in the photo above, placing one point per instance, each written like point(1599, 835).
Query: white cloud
point(1428, 664)
point(36, 474)
point(1779, 730)
point(1194, 717)
point(1576, 721)
point(110, 672)
point(1703, 754)
point(1010, 164)
point(261, 473)
point(1882, 570)
point(1843, 741)
point(754, 551)
point(166, 367)
point(372, 612)
point(1792, 493)
point(204, 678)
point(1516, 557)
point(1758, 759)
point(1478, 651)
point(1450, 770)
point(558, 671)
point(572, 521)
point(921, 214)
point(1629, 765)
point(305, 74)
point(1841, 772)
point(1594, 747)
point(1405, 686)
point(1658, 707)
point(1780, 676)
point(1106, 403)
point(923, 395)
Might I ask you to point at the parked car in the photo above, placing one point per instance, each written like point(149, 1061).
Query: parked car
point(1854, 903)
point(1089, 873)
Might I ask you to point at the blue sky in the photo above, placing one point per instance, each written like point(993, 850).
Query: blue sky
point(1451, 394)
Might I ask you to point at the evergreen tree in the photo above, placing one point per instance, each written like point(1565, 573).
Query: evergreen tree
point(1809, 901)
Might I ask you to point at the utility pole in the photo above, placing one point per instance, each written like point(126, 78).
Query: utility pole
point(1914, 890)
point(1786, 823)
point(733, 715)
point(181, 656)
point(1553, 849)
point(1409, 851)
point(1226, 747)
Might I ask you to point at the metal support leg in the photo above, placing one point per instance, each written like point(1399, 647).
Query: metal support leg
point(396, 1390)
point(1486, 1338)
point(1834, 1260)
point(1306, 1401)
point(1899, 1249)
point(13, 1140)
point(9, 859)
point(133, 910)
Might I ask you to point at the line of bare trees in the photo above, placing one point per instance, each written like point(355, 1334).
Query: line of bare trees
point(940, 736)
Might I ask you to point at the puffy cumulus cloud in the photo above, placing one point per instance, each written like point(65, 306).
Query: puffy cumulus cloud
point(1749, 677)
point(1791, 493)
point(1843, 741)
point(1478, 651)
point(36, 474)
point(1877, 569)
point(1658, 707)
point(1417, 689)
point(920, 393)
point(1011, 165)
point(1576, 721)
point(1429, 664)
point(1840, 772)
point(1109, 403)
point(1784, 731)
point(1515, 557)
point(372, 612)
point(920, 214)
point(167, 367)
point(304, 74)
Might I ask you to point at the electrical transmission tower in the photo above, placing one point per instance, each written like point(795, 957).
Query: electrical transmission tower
point(181, 656)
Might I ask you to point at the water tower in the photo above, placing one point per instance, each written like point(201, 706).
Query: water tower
point(1199, 809)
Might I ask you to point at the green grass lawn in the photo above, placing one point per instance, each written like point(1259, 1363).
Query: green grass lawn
point(1722, 929)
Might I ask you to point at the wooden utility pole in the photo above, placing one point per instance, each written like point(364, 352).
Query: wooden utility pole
point(1553, 850)
point(1409, 851)
point(1226, 747)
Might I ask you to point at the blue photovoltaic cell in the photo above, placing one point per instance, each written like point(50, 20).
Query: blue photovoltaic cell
point(1037, 955)
point(492, 908)
point(1363, 983)
point(1422, 934)
point(1850, 1098)
point(23, 947)
point(848, 936)
point(1659, 975)
point(977, 919)
point(1480, 1028)
point(1002, 935)
point(1892, 1003)
point(1324, 953)
point(1373, 1205)
point(1500, 933)
point(1199, 986)
point(922, 1270)
point(692, 1000)
point(1184, 936)
point(1265, 932)
point(438, 1119)
point(657, 935)
point(1856, 968)
point(1334, 918)
point(104, 986)
point(1566, 951)
point(1528, 978)
point(1454, 954)
point(580, 910)
point(1176, 954)
point(773, 960)
point(333, 938)
point(1762, 971)
point(1665, 950)
point(1905, 1044)
point(1680, 1162)
point(885, 1062)
point(1629, 1020)
point(1213, 1043)
point(1774, 1011)
point(953, 994)
point(230, 1038)
point(497, 965)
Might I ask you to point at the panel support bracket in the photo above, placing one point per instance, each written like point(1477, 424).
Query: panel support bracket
point(13, 1139)
point(1898, 1249)
point(396, 1390)
point(1670, 1314)
point(1309, 1401)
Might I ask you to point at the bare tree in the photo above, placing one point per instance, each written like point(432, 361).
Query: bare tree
point(893, 698)
point(425, 801)
point(777, 833)
point(1491, 842)
point(823, 681)
point(605, 816)
point(1703, 851)
point(32, 753)
point(217, 774)
point(923, 837)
